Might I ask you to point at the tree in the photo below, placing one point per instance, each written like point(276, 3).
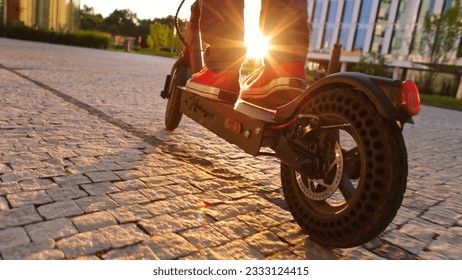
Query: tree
point(440, 34)
point(158, 37)
point(89, 20)
point(371, 64)
point(124, 22)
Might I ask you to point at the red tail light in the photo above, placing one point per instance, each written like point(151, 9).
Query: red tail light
point(411, 98)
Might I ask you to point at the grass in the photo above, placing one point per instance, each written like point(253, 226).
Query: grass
point(443, 101)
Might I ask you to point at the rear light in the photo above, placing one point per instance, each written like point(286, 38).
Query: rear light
point(411, 98)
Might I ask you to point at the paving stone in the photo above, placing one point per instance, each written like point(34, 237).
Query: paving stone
point(204, 237)
point(105, 166)
point(54, 229)
point(16, 176)
point(34, 251)
point(441, 217)
point(235, 250)
point(290, 232)
point(100, 188)
point(72, 180)
point(162, 207)
point(60, 209)
point(130, 174)
point(8, 187)
point(131, 213)
point(258, 221)
point(157, 193)
point(102, 176)
point(136, 252)
point(357, 254)
point(37, 184)
point(19, 216)
point(406, 242)
point(96, 203)
point(156, 181)
point(266, 242)
point(93, 221)
point(404, 215)
point(169, 247)
point(88, 258)
point(123, 235)
point(4, 168)
point(66, 193)
point(161, 224)
point(3, 204)
point(12, 237)
point(448, 245)
point(129, 197)
point(234, 229)
point(422, 230)
point(183, 189)
point(28, 198)
point(390, 251)
point(277, 214)
point(81, 244)
point(130, 185)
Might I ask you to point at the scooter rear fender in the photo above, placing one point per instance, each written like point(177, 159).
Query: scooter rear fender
point(384, 93)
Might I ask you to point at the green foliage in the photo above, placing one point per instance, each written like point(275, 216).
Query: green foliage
point(158, 37)
point(372, 64)
point(439, 41)
point(444, 101)
point(91, 39)
point(120, 22)
point(89, 20)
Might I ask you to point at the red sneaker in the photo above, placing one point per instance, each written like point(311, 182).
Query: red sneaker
point(223, 86)
point(272, 87)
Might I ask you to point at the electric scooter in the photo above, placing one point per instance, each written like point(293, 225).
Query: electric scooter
point(343, 158)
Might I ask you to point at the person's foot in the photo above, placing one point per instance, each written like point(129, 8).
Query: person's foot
point(223, 86)
point(272, 87)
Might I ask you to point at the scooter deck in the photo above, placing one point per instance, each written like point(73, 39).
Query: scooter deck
point(244, 125)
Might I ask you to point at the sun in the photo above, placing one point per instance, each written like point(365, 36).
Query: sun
point(257, 45)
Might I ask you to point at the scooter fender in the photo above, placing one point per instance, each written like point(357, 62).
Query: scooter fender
point(384, 93)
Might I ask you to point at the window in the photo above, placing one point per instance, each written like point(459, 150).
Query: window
point(364, 17)
point(402, 32)
point(348, 11)
point(447, 5)
point(318, 5)
point(347, 22)
point(381, 25)
point(328, 39)
point(333, 7)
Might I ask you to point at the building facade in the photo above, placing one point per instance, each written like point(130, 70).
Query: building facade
point(58, 15)
point(387, 27)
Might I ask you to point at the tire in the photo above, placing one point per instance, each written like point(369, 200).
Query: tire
point(369, 177)
point(179, 77)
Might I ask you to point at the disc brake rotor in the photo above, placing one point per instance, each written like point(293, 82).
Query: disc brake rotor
point(321, 189)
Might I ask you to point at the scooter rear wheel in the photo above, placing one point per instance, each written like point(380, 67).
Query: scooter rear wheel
point(365, 169)
point(180, 75)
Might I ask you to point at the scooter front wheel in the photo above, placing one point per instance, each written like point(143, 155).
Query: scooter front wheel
point(363, 176)
point(179, 76)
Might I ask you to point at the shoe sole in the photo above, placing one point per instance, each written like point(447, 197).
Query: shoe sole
point(213, 93)
point(279, 84)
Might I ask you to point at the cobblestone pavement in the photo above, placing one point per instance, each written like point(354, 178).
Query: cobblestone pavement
point(87, 171)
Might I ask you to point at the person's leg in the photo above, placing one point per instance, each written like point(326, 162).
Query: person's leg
point(222, 31)
point(285, 22)
point(282, 78)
